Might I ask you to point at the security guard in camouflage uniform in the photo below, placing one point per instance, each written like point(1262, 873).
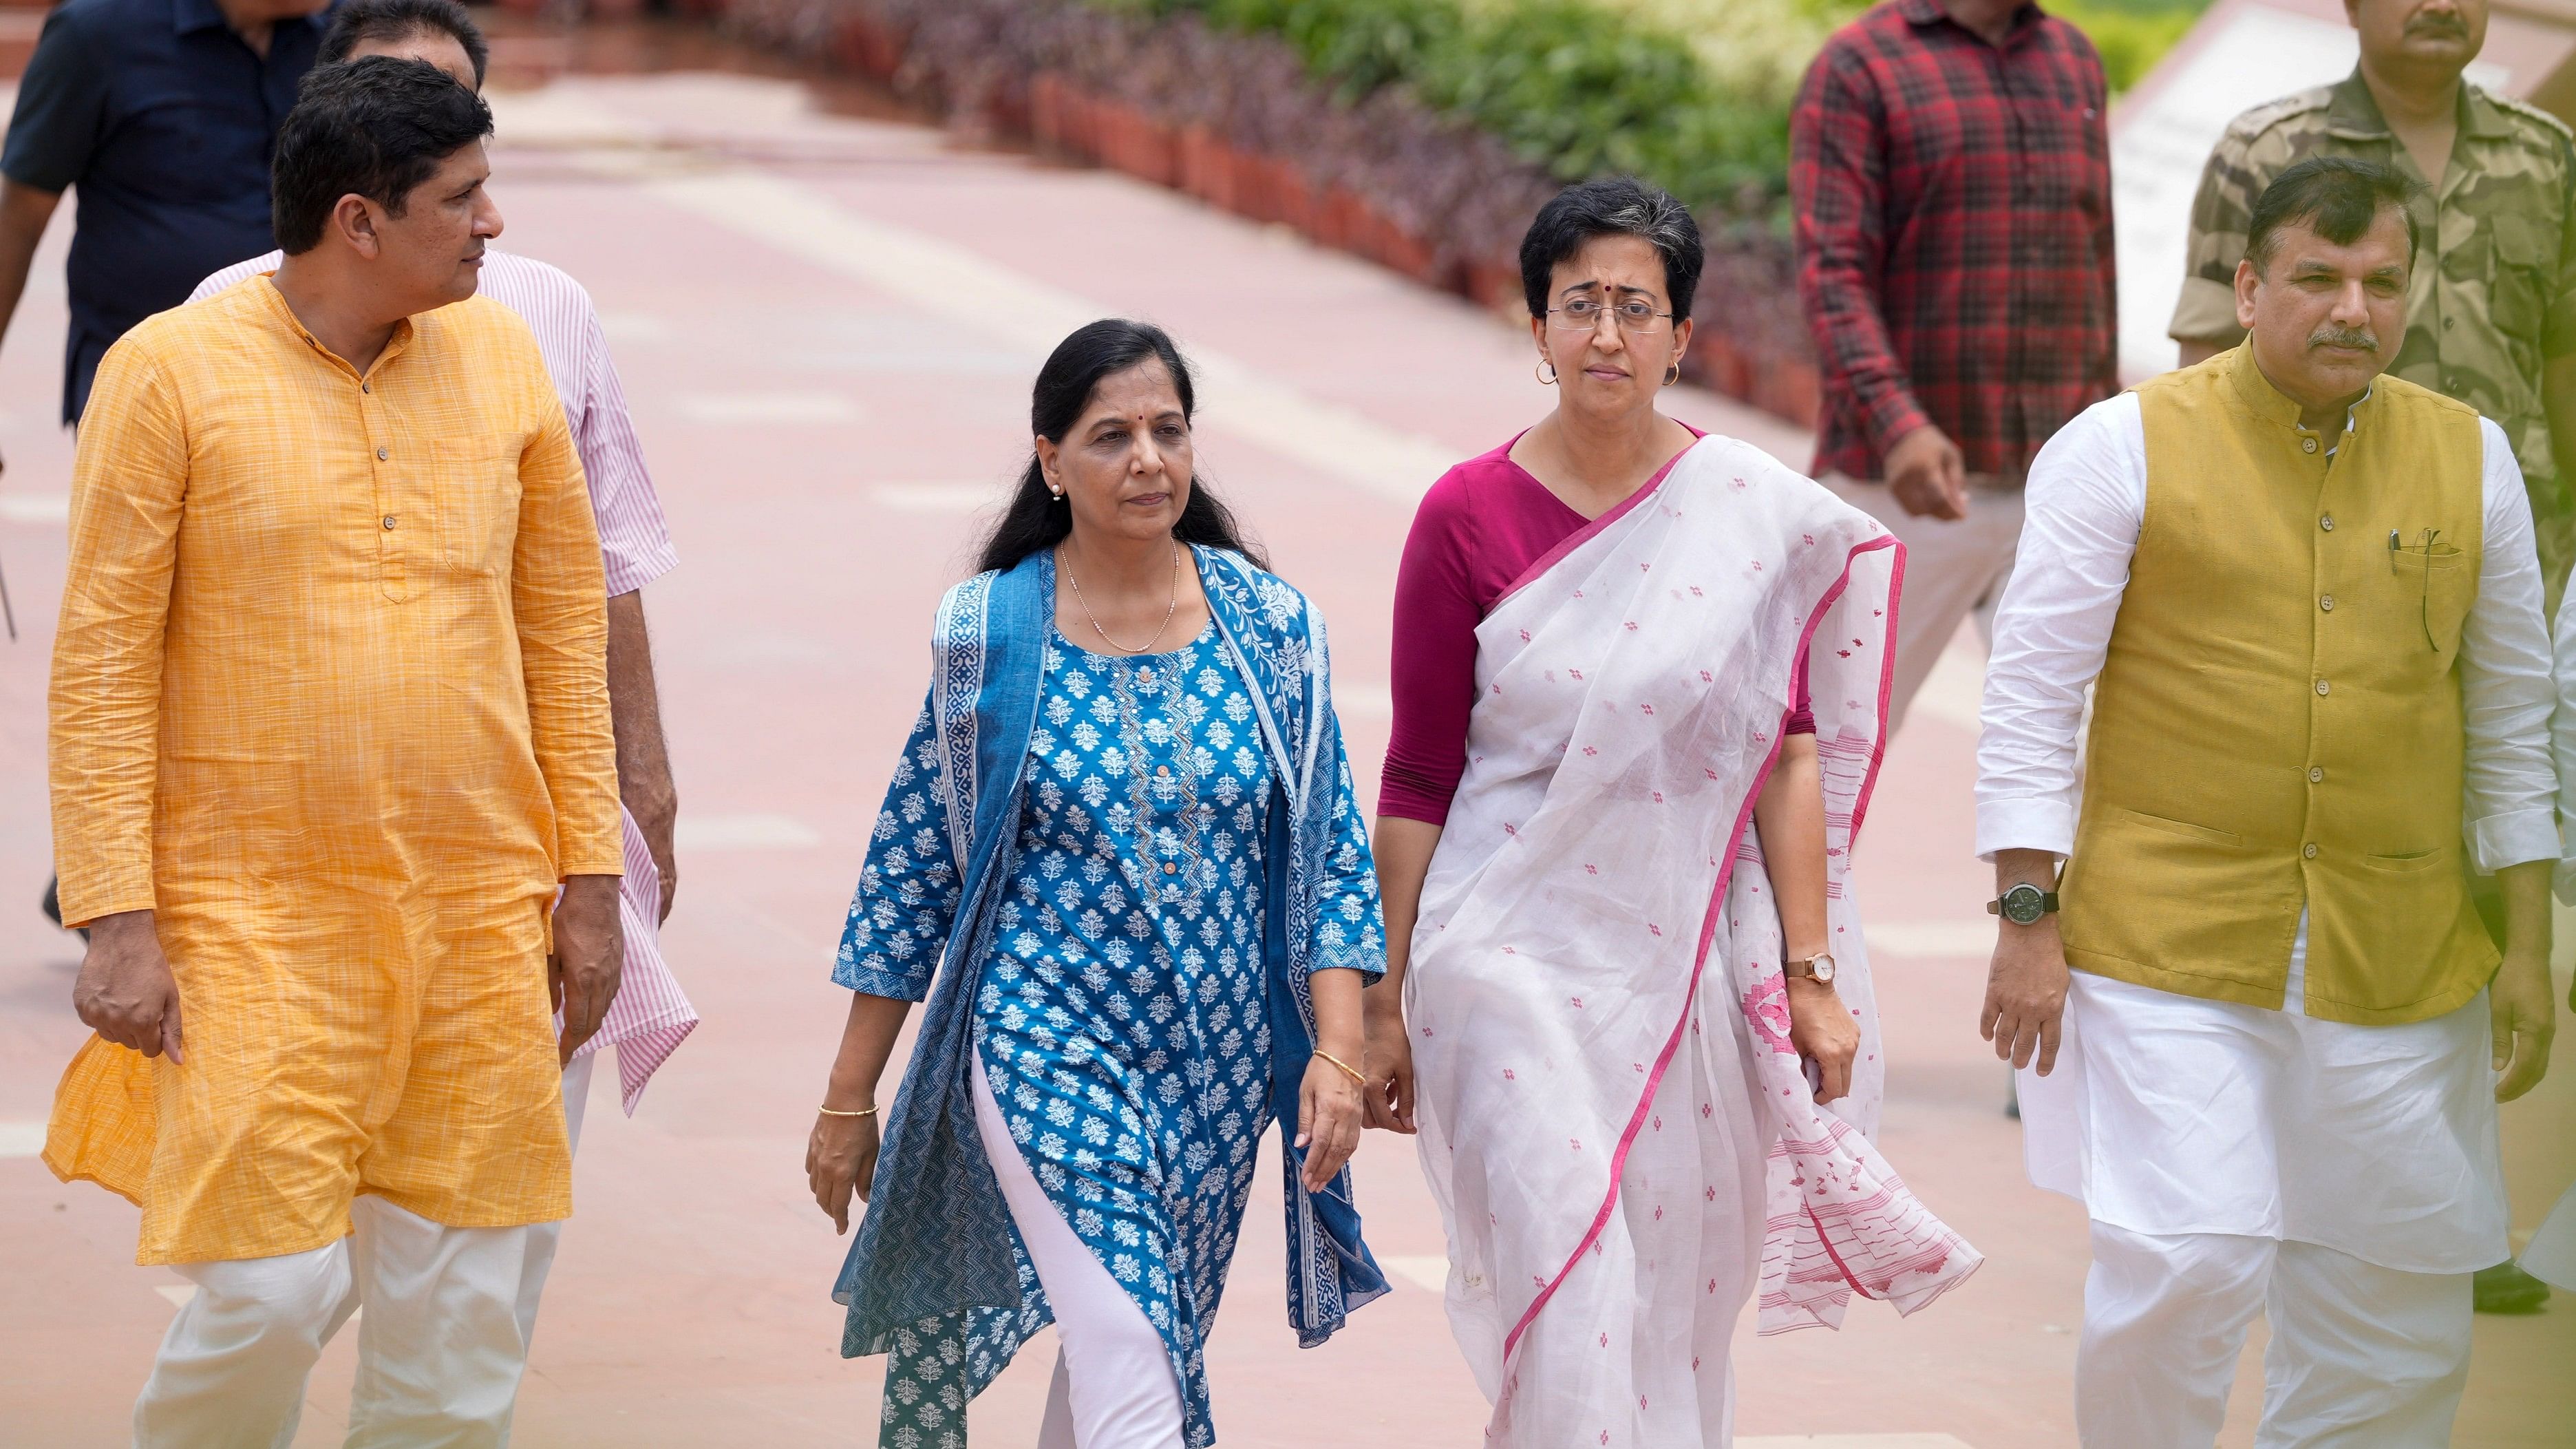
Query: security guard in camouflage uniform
point(2491, 307)
point(2491, 312)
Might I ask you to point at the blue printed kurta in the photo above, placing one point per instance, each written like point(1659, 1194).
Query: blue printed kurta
point(1122, 1016)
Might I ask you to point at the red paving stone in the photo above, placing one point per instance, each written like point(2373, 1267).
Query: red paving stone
point(810, 420)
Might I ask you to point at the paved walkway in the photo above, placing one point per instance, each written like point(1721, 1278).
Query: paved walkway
point(827, 326)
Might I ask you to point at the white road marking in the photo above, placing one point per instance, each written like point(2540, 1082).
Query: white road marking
point(1849, 1441)
point(753, 830)
point(1431, 1273)
point(1364, 701)
point(939, 497)
point(36, 507)
point(768, 407)
point(1931, 938)
point(22, 1139)
point(1029, 315)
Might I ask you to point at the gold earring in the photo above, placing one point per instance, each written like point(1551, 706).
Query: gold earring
point(1547, 372)
point(1673, 376)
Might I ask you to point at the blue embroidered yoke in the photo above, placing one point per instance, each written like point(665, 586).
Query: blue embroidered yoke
point(1160, 852)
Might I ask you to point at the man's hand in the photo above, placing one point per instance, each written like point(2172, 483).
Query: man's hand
point(2026, 984)
point(1927, 475)
point(590, 953)
point(125, 991)
point(1389, 1097)
point(658, 827)
point(2519, 1006)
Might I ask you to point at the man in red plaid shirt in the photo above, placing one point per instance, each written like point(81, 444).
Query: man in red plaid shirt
point(1952, 181)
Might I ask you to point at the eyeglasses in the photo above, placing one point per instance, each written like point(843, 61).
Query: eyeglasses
point(1583, 314)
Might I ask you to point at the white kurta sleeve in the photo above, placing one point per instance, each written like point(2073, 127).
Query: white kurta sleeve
point(2509, 815)
point(2084, 503)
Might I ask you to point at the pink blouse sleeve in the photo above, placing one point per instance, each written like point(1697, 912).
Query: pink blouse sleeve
point(1802, 720)
point(1433, 663)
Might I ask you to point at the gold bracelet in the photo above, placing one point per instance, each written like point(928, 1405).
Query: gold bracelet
point(1343, 1065)
point(829, 1112)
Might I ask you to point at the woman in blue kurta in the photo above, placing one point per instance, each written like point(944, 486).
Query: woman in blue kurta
point(1124, 820)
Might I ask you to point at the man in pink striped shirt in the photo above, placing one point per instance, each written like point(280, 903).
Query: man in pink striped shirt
point(649, 1016)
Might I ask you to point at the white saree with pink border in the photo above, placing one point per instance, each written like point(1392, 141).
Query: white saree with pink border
point(1623, 1142)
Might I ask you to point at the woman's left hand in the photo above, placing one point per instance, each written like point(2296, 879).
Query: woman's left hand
point(1823, 1030)
point(1330, 1112)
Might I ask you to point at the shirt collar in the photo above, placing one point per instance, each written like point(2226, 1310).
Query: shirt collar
point(2353, 112)
point(285, 317)
point(188, 16)
point(1929, 12)
point(2273, 405)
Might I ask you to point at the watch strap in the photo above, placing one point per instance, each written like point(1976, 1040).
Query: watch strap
point(2047, 903)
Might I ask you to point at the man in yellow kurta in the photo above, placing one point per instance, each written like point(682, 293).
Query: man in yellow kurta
point(329, 729)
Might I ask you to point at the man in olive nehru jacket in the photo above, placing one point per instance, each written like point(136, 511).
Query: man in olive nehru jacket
point(2306, 597)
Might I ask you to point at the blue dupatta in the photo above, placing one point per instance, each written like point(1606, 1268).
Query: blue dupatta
point(936, 1238)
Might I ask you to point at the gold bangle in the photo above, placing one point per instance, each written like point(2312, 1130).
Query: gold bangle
point(829, 1112)
point(1345, 1067)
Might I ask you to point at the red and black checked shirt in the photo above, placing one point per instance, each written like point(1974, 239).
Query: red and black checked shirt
point(1953, 205)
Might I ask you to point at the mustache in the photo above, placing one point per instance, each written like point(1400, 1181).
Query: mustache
point(2437, 25)
point(2360, 337)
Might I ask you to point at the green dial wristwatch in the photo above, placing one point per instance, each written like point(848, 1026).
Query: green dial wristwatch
point(2023, 905)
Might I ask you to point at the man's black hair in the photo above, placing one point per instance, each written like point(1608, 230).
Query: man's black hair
point(1613, 206)
point(374, 127)
point(2337, 197)
point(384, 22)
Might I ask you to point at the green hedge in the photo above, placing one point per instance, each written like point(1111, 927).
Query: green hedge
point(1567, 84)
point(1582, 88)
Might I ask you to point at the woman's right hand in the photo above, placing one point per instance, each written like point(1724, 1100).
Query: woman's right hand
point(841, 1159)
point(1389, 1097)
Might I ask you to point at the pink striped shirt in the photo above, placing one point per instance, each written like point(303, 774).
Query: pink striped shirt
point(651, 1015)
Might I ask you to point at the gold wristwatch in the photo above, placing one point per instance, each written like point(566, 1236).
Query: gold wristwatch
point(1818, 968)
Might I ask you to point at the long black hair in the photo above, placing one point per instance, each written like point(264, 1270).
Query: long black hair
point(1036, 519)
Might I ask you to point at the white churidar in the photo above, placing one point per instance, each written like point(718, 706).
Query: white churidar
point(1613, 1119)
point(435, 1366)
point(439, 1348)
point(1113, 1385)
point(2361, 1357)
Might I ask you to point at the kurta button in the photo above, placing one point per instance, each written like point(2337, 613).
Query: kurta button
point(389, 520)
point(1162, 772)
point(382, 454)
point(2326, 523)
point(1170, 868)
point(2316, 774)
point(366, 387)
point(2321, 686)
point(2307, 445)
point(2326, 603)
point(2309, 850)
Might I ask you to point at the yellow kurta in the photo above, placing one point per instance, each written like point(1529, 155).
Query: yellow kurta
point(330, 696)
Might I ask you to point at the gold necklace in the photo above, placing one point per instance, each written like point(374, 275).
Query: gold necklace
point(1168, 610)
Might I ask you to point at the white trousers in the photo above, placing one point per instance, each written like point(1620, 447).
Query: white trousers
point(1114, 1387)
point(1952, 569)
point(2362, 1357)
point(441, 1345)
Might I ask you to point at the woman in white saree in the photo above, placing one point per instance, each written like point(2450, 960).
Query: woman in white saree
point(1620, 644)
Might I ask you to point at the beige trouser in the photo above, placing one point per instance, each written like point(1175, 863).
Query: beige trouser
point(1952, 569)
point(449, 1312)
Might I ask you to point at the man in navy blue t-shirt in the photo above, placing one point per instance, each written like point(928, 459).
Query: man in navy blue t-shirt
point(162, 112)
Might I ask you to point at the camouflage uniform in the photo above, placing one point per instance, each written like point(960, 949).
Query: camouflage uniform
point(2494, 289)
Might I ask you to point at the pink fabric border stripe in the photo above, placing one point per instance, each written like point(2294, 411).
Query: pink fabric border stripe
point(1585, 534)
point(1717, 897)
